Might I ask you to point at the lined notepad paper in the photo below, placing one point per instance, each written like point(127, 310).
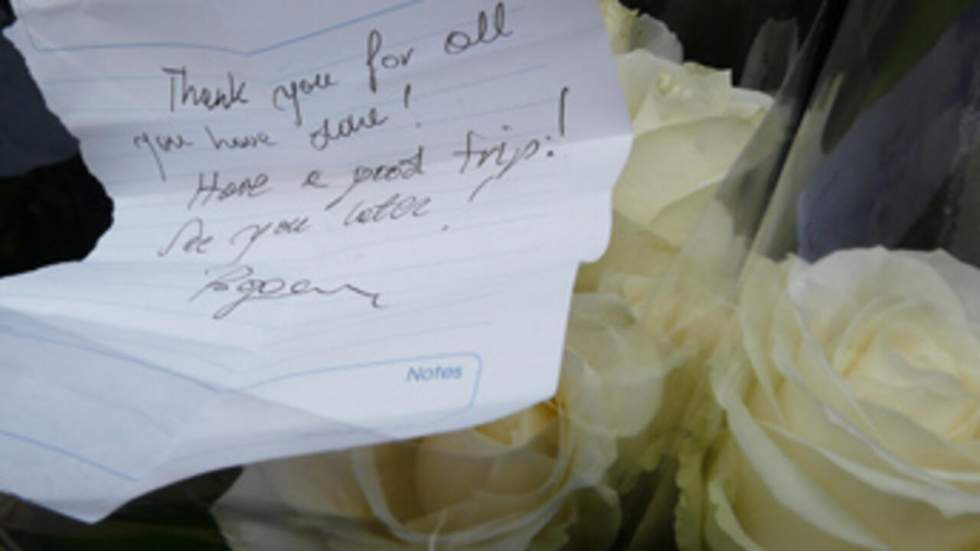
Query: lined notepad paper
point(336, 223)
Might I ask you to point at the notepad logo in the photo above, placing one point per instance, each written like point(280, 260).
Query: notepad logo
point(425, 374)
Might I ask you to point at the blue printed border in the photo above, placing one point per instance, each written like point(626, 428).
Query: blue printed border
point(131, 478)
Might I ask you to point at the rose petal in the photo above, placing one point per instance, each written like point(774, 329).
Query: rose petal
point(788, 486)
point(666, 166)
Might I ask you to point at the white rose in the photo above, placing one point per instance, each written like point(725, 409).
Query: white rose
point(629, 30)
point(853, 409)
point(691, 124)
point(536, 479)
point(619, 24)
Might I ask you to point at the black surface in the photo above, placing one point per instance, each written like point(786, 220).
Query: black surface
point(51, 208)
point(30, 136)
point(54, 213)
point(902, 133)
point(6, 14)
point(720, 33)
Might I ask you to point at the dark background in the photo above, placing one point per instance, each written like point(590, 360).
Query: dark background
point(51, 209)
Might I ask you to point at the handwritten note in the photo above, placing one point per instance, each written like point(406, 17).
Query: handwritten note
point(335, 224)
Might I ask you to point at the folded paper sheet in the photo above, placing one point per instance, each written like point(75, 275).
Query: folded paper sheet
point(336, 223)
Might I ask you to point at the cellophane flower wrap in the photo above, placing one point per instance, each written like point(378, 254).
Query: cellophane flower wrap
point(847, 382)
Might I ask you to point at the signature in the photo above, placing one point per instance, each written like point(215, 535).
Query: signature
point(246, 287)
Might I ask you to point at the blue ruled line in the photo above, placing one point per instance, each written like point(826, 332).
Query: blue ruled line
point(222, 49)
point(67, 453)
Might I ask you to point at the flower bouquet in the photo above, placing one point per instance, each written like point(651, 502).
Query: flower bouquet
point(779, 349)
